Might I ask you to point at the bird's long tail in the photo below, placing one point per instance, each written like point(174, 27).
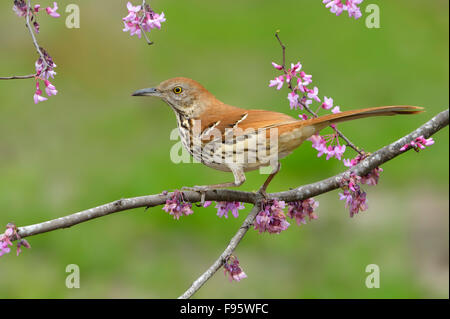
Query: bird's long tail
point(324, 121)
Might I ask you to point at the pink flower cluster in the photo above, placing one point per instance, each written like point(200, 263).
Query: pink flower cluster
point(298, 82)
point(320, 143)
point(6, 240)
point(142, 19)
point(302, 209)
point(355, 198)
point(371, 178)
point(44, 65)
point(224, 207)
point(177, 207)
point(302, 96)
point(21, 8)
point(271, 218)
point(232, 268)
point(351, 6)
point(418, 144)
point(43, 72)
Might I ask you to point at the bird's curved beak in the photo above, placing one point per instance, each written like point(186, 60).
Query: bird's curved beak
point(148, 92)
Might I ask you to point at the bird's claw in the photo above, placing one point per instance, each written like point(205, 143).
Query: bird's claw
point(263, 193)
point(200, 189)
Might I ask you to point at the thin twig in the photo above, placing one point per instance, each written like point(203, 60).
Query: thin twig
point(18, 77)
point(234, 242)
point(283, 47)
point(36, 45)
point(144, 7)
point(145, 35)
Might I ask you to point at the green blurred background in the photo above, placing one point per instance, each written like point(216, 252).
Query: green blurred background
point(93, 143)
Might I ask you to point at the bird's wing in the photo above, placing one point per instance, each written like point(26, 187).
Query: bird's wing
point(237, 122)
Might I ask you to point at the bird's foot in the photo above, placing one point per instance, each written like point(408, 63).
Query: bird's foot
point(263, 193)
point(199, 189)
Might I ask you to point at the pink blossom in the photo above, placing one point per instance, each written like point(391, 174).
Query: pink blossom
point(292, 72)
point(328, 103)
point(302, 209)
point(339, 151)
point(319, 143)
point(312, 94)
point(418, 144)
point(373, 177)
point(133, 9)
point(305, 79)
point(6, 238)
point(295, 68)
point(20, 243)
point(4, 249)
point(224, 207)
point(369, 179)
point(176, 206)
point(50, 88)
point(331, 152)
point(335, 6)
point(153, 21)
point(351, 6)
point(133, 28)
point(277, 66)
point(52, 11)
point(20, 8)
point(293, 99)
point(336, 110)
point(36, 26)
point(355, 198)
point(207, 203)
point(232, 268)
point(38, 94)
point(278, 82)
point(141, 19)
point(348, 162)
point(303, 117)
point(271, 218)
point(353, 9)
point(41, 70)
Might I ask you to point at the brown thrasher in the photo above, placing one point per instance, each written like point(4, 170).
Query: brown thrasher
point(229, 138)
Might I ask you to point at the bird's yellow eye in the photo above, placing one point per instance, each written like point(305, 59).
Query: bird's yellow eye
point(177, 90)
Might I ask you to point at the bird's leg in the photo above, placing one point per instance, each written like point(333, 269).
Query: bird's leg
point(239, 179)
point(263, 188)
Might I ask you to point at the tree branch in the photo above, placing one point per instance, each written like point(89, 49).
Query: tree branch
point(18, 77)
point(381, 156)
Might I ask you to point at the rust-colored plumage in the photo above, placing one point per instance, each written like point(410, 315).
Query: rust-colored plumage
point(234, 139)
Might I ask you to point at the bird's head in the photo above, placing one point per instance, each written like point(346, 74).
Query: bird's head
point(184, 95)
